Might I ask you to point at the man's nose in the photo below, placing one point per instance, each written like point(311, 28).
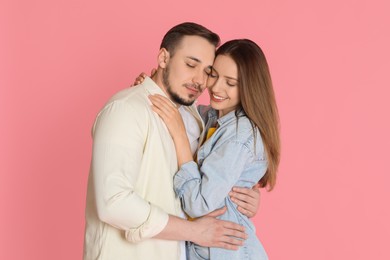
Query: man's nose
point(200, 79)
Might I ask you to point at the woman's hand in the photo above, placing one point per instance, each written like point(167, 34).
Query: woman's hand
point(169, 114)
point(247, 200)
point(174, 122)
point(141, 77)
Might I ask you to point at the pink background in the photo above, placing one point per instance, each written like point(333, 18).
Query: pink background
point(61, 60)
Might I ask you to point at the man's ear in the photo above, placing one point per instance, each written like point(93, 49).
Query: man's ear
point(163, 58)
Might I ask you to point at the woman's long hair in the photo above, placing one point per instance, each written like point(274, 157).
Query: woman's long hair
point(257, 99)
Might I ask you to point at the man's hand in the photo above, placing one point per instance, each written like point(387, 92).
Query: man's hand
point(211, 232)
point(205, 231)
point(247, 200)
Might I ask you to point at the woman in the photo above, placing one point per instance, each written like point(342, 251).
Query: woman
point(242, 146)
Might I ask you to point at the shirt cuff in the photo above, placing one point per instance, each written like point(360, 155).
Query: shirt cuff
point(154, 224)
point(188, 171)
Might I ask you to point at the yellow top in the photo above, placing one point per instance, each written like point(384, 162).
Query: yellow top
point(210, 132)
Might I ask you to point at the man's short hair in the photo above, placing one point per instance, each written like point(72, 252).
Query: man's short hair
point(174, 36)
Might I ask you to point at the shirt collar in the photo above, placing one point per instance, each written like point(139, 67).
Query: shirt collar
point(229, 116)
point(152, 87)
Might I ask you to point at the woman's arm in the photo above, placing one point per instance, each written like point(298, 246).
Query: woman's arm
point(174, 122)
point(205, 189)
point(247, 199)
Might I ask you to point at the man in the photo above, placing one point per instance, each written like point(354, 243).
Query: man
point(132, 211)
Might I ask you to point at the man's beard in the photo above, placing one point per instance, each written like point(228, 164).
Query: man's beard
point(172, 95)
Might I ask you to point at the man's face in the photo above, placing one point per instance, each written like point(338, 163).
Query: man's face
point(186, 72)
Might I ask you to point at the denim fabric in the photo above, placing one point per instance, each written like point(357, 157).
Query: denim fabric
point(232, 156)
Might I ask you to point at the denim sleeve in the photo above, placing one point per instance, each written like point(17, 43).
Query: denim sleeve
point(202, 190)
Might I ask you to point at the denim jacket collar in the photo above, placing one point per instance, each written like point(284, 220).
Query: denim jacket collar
point(213, 115)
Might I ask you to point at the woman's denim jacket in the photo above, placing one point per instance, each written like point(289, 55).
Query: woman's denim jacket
point(232, 156)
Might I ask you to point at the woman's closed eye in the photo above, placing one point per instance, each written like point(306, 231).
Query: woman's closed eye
point(231, 84)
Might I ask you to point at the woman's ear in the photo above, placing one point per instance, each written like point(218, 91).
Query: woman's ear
point(163, 58)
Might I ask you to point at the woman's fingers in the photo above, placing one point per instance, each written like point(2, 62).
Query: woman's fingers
point(167, 111)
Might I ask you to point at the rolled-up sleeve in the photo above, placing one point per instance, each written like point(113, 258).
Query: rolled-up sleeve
point(202, 190)
point(119, 136)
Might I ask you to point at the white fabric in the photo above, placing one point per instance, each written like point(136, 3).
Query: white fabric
point(192, 128)
point(130, 188)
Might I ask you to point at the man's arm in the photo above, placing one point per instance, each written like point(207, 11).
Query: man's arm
point(247, 200)
point(206, 231)
point(118, 140)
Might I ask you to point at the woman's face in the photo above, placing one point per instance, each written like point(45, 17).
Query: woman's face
point(223, 85)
